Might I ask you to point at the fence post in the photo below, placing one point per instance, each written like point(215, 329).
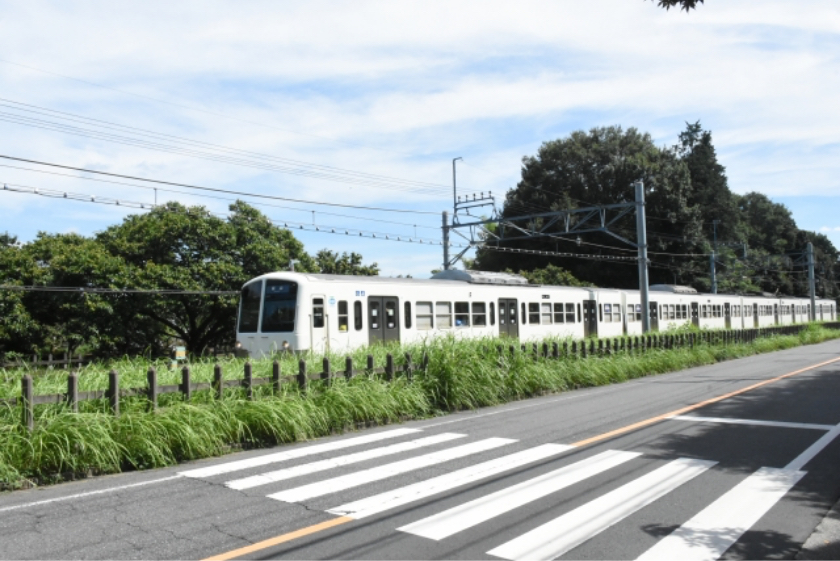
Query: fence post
point(248, 381)
point(186, 390)
point(301, 377)
point(275, 377)
point(327, 371)
point(151, 379)
point(409, 367)
point(370, 364)
point(555, 350)
point(545, 350)
point(348, 367)
point(592, 346)
point(425, 361)
point(27, 395)
point(114, 392)
point(389, 367)
point(218, 382)
point(583, 349)
point(73, 392)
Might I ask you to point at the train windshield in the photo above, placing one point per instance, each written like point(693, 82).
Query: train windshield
point(249, 307)
point(279, 306)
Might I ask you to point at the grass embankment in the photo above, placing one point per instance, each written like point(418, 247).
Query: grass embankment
point(460, 375)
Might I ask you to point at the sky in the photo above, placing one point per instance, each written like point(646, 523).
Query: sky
point(365, 104)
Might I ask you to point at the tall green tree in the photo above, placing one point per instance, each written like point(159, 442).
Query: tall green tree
point(599, 167)
point(331, 263)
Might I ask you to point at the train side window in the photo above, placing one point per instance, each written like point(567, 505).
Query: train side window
point(407, 315)
point(373, 310)
point(358, 318)
point(534, 313)
point(570, 313)
point(390, 314)
point(343, 317)
point(492, 313)
point(617, 313)
point(425, 316)
point(546, 313)
point(523, 315)
point(558, 313)
point(317, 312)
point(479, 314)
point(630, 316)
point(462, 314)
point(606, 312)
point(443, 315)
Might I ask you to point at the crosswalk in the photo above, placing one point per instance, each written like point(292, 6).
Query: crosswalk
point(381, 457)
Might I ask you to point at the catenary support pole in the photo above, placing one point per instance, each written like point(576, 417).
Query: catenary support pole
point(712, 272)
point(445, 241)
point(641, 240)
point(812, 288)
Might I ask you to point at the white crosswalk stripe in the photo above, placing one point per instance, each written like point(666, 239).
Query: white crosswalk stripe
point(714, 529)
point(470, 514)
point(417, 491)
point(558, 536)
point(301, 452)
point(379, 473)
point(330, 463)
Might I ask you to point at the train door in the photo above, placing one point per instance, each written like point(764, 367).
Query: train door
point(755, 315)
point(318, 333)
point(776, 314)
point(654, 316)
point(508, 324)
point(383, 319)
point(695, 314)
point(727, 314)
point(590, 318)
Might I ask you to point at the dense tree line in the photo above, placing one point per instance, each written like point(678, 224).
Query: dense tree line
point(690, 212)
point(172, 248)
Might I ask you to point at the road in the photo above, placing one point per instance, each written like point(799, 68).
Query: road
point(735, 460)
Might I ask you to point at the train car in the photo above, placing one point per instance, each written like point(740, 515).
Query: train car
point(287, 311)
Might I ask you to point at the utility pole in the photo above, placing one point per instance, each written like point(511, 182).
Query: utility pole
point(714, 256)
point(446, 238)
point(641, 239)
point(454, 188)
point(809, 251)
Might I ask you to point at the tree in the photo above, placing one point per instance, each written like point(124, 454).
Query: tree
point(179, 248)
point(553, 276)
point(599, 168)
point(686, 5)
point(331, 263)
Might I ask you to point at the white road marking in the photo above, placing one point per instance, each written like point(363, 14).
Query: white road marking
point(296, 453)
point(351, 480)
point(89, 493)
point(814, 449)
point(714, 529)
point(422, 489)
point(330, 463)
point(472, 513)
point(558, 536)
point(751, 422)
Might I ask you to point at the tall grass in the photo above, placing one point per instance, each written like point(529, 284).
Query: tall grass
point(461, 374)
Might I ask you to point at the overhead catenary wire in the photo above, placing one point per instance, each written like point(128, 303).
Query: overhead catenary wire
point(216, 190)
point(214, 197)
point(99, 290)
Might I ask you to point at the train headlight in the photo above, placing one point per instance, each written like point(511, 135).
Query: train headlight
point(239, 344)
point(285, 345)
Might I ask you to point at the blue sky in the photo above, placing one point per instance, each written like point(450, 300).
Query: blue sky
point(398, 89)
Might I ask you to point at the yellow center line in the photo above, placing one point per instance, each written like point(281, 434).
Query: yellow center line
point(315, 528)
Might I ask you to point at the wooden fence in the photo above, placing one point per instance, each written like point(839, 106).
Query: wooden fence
point(576, 349)
point(65, 360)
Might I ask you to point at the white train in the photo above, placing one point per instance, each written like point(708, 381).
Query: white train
point(301, 311)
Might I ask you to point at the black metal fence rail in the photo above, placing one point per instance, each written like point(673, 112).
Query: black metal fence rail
point(574, 350)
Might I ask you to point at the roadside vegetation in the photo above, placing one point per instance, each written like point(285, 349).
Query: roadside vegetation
point(460, 375)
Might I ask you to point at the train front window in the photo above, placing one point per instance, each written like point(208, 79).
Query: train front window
point(279, 306)
point(249, 307)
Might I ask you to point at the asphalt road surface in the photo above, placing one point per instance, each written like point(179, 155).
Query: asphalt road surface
point(737, 461)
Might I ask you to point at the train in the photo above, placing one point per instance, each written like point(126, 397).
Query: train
point(298, 312)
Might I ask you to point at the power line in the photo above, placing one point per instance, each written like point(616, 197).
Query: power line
point(215, 190)
point(94, 290)
point(259, 204)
